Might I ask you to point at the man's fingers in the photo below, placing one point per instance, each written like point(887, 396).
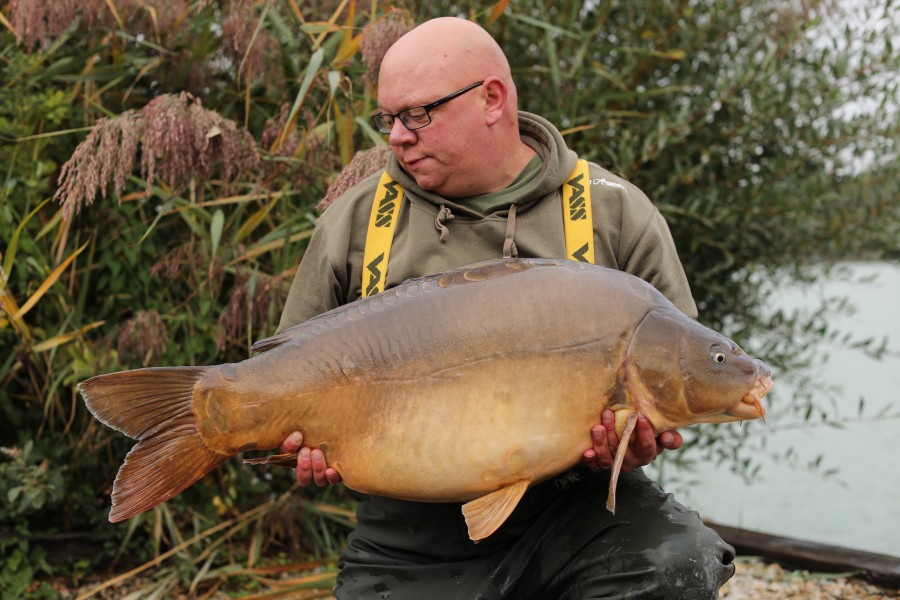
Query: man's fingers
point(598, 457)
point(318, 467)
point(304, 467)
point(312, 468)
point(608, 420)
point(644, 441)
point(292, 443)
point(669, 440)
point(332, 476)
point(643, 446)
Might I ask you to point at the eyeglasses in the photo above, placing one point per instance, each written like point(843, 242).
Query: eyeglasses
point(416, 117)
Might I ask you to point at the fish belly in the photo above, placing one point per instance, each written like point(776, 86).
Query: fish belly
point(461, 432)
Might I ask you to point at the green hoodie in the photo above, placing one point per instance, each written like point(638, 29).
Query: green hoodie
point(629, 232)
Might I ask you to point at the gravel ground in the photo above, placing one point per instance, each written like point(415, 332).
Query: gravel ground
point(757, 580)
point(754, 580)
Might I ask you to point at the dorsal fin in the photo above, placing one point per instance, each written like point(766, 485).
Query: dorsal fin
point(486, 514)
point(277, 339)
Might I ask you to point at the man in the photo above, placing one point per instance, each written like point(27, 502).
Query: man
point(482, 180)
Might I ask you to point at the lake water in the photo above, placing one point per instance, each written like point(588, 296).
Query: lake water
point(859, 507)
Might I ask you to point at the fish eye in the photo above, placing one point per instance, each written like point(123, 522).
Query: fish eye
point(718, 356)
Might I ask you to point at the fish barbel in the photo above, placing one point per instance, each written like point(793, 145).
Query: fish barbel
point(466, 386)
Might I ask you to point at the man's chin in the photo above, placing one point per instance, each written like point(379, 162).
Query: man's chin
point(426, 181)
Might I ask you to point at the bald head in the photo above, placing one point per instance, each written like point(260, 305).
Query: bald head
point(454, 51)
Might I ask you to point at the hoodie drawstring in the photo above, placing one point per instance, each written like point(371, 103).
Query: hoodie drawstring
point(509, 245)
point(444, 215)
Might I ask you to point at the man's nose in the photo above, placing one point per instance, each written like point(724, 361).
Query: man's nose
point(400, 134)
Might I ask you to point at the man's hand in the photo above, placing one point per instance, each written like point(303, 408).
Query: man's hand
point(643, 448)
point(311, 465)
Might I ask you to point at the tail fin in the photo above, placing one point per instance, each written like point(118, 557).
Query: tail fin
point(152, 406)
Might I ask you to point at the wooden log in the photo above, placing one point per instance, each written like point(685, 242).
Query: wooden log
point(880, 569)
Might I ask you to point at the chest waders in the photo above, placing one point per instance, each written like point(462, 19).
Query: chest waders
point(577, 221)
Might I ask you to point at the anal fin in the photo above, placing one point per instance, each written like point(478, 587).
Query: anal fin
point(486, 514)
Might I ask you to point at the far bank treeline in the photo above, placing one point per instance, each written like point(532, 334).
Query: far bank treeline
point(161, 168)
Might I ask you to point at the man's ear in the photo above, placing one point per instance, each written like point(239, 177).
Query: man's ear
point(495, 96)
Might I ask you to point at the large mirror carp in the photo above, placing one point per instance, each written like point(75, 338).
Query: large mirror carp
point(466, 386)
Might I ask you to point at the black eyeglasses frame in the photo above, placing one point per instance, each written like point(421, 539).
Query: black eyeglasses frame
point(384, 122)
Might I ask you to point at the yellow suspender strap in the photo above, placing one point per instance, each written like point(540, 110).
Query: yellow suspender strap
point(579, 225)
point(380, 234)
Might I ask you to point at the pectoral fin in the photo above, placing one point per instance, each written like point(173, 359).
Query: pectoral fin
point(486, 514)
point(288, 460)
point(630, 422)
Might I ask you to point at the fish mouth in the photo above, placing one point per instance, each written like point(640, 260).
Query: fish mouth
point(750, 406)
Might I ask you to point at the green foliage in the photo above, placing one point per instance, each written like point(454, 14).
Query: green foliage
point(736, 118)
point(22, 565)
point(27, 484)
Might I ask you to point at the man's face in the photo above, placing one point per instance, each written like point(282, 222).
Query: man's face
point(442, 156)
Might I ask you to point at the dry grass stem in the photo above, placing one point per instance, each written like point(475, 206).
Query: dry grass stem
point(275, 171)
point(364, 163)
point(3, 281)
point(184, 141)
point(248, 55)
point(144, 336)
point(272, 129)
point(180, 142)
point(39, 21)
point(255, 299)
point(301, 166)
point(380, 35)
point(107, 154)
point(183, 259)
